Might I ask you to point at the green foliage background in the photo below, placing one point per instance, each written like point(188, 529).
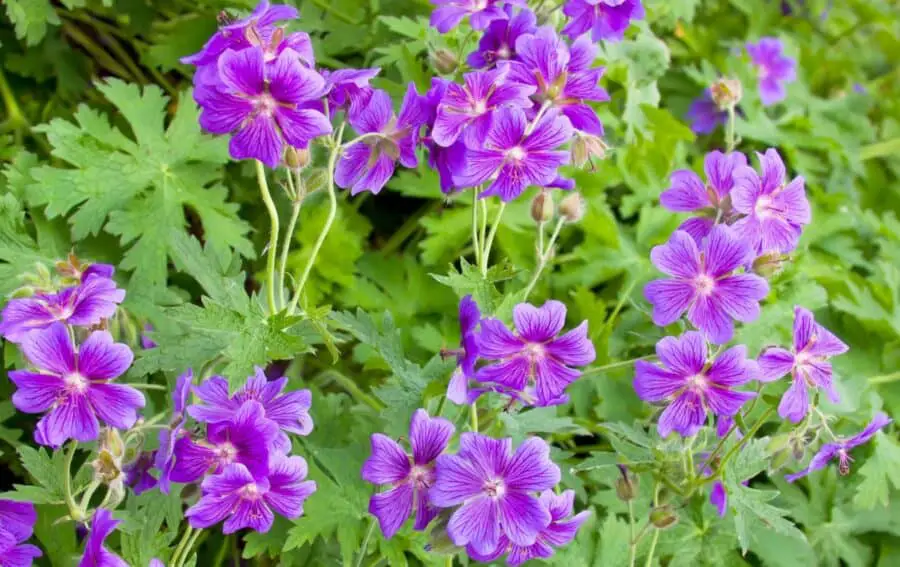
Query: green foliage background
point(102, 154)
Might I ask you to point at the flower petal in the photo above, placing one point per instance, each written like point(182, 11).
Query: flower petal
point(530, 468)
point(428, 436)
point(685, 415)
point(522, 517)
point(477, 522)
point(392, 508)
point(574, 348)
point(679, 257)
point(774, 363)
point(539, 325)
point(99, 358)
point(655, 384)
point(387, 464)
point(670, 298)
point(50, 349)
point(794, 404)
point(686, 355)
point(116, 404)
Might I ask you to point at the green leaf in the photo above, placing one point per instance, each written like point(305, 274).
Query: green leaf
point(31, 18)
point(538, 420)
point(879, 472)
point(753, 513)
point(18, 252)
point(612, 550)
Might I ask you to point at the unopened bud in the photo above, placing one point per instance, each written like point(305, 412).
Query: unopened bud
point(542, 207)
point(108, 464)
point(572, 207)
point(726, 93)
point(663, 517)
point(769, 264)
point(444, 61)
point(586, 147)
point(439, 542)
point(296, 158)
point(626, 485)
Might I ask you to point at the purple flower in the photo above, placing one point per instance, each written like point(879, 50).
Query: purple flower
point(346, 86)
point(515, 157)
point(74, 388)
point(84, 305)
point(249, 439)
point(775, 70)
point(467, 356)
point(245, 500)
point(704, 284)
point(266, 105)
point(775, 211)
point(165, 455)
point(290, 410)
point(409, 478)
point(367, 165)
point(17, 519)
point(466, 109)
point(95, 553)
point(807, 361)
point(146, 341)
point(688, 193)
point(494, 489)
point(691, 384)
point(605, 19)
point(705, 115)
point(447, 160)
point(15, 554)
point(841, 449)
point(137, 473)
point(562, 76)
point(535, 353)
point(481, 13)
point(498, 43)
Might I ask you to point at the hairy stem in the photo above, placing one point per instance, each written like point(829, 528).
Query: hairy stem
point(632, 543)
point(615, 365)
point(74, 510)
point(544, 257)
point(649, 562)
point(749, 435)
point(730, 139)
point(476, 245)
point(365, 544)
point(179, 549)
point(486, 252)
point(288, 238)
point(273, 235)
point(473, 414)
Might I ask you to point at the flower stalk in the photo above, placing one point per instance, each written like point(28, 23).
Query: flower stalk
point(273, 235)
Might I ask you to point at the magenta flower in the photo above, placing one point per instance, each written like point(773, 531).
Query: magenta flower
point(494, 489)
point(535, 354)
point(775, 70)
point(74, 388)
point(446, 161)
point(841, 449)
point(165, 455)
point(17, 521)
point(467, 355)
point(96, 298)
point(14, 553)
point(498, 43)
point(705, 115)
point(704, 283)
point(410, 478)
point(562, 76)
point(137, 473)
point(344, 87)
point(604, 19)
point(693, 385)
point(516, 158)
point(481, 13)
point(466, 109)
point(367, 165)
point(245, 500)
point(688, 193)
point(95, 553)
point(775, 211)
point(807, 362)
point(265, 105)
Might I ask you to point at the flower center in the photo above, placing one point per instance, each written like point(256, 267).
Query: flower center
point(516, 153)
point(494, 488)
point(75, 382)
point(504, 52)
point(250, 492)
point(421, 477)
point(265, 104)
point(228, 453)
point(763, 208)
point(479, 108)
point(479, 6)
point(704, 284)
point(844, 461)
point(697, 382)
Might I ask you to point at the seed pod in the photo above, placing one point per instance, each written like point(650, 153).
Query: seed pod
point(586, 147)
point(542, 207)
point(726, 93)
point(572, 207)
point(626, 485)
point(769, 264)
point(444, 61)
point(296, 158)
point(663, 517)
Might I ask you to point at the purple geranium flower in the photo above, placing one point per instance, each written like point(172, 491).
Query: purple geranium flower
point(605, 19)
point(245, 500)
point(467, 355)
point(165, 456)
point(466, 109)
point(704, 284)
point(841, 449)
point(17, 519)
point(515, 156)
point(481, 13)
point(688, 193)
point(346, 86)
point(14, 553)
point(410, 478)
point(249, 439)
point(95, 553)
point(693, 385)
point(775, 210)
point(495, 490)
point(498, 43)
point(535, 353)
point(775, 70)
point(266, 105)
point(84, 305)
point(137, 473)
point(367, 165)
point(75, 387)
point(705, 115)
point(562, 76)
point(807, 361)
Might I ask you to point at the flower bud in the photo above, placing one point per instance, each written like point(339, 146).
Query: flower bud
point(726, 93)
point(769, 264)
point(572, 207)
point(444, 61)
point(663, 517)
point(110, 452)
point(585, 147)
point(296, 158)
point(626, 485)
point(542, 207)
point(439, 542)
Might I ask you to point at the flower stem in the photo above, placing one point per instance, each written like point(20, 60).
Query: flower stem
point(615, 365)
point(649, 562)
point(145, 386)
point(730, 140)
point(476, 245)
point(176, 557)
point(288, 238)
point(273, 235)
point(885, 378)
point(473, 414)
point(88, 494)
point(353, 389)
point(632, 543)
point(486, 252)
point(749, 435)
point(74, 510)
point(544, 257)
point(365, 543)
point(186, 552)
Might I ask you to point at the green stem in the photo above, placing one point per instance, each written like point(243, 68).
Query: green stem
point(365, 543)
point(475, 243)
point(97, 53)
point(482, 230)
point(473, 415)
point(186, 552)
point(747, 436)
point(885, 378)
point(286, 244)
point(329, 8)
point(223, 550)
point(449, 561)
point(88, 494)
point(730, 140)
point(145, 386)
point(632, 544)
point(614, 365)
point(649, 562)
point(273, 236)
point(175, 561)
point(486, 251)
point(544, 257)
point(74, 511)
point(353, 389)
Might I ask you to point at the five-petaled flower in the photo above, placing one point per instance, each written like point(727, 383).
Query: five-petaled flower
point(841, 449)
point(498, 43)
point(467, 355)
point(17, 521)
point(95, 553)
point(604, 19)
point(775, 69)
point(481, 13)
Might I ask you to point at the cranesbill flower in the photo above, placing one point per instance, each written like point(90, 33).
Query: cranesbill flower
point(563, 76)
point(410, 478)
point(446, 161)
point(693, 385)
point(165, 455)
point(345, 86)
point(84, 305)
point(605, 19)
point(17, 519)
point(535, 354)
point(704, 283)
point(688, 193)
point(807, 362)
point(249, 440)
point(137, 473)
point(705, 115)
point(95, 553)
point(74, 388)
point(245, 500)
point(494, 489)
point(841, 449)
point(498, 43)
point(481, 13)
point(15, 554)
point(775, 70)
point(516, 157)
point(467, 355)
point(264, 105)
point(467, 109)
point(368, 164)
point(775, 210)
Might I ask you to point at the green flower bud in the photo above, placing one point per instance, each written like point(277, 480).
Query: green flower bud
point(663, 517)
point(572, 207)
point(542, 207)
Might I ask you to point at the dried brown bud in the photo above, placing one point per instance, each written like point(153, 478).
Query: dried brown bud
point(444, 61)
point(542, 207)
point(663, 517)
point(626, 485)
point(586, 147)
point(572, 207)
point(296, 158)
point(726, 93)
